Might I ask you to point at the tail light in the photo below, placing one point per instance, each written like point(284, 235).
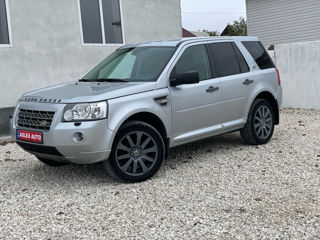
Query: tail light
point(279, 81)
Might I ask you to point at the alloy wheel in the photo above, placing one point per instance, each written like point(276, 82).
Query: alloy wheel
point(263, 122)
point(136, 153)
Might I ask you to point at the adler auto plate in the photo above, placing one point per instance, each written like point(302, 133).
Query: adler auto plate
point(29, 136)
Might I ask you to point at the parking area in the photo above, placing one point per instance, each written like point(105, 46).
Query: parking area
point(218, 188)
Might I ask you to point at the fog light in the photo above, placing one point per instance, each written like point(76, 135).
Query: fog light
point(78, 137)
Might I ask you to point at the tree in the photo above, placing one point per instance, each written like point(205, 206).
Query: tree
point(238, 28)
point(212, 33)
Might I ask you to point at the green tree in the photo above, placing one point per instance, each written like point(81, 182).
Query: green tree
point(238, 28)
point(212, 33)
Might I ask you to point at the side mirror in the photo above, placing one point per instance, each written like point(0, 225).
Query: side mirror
point(184, 78)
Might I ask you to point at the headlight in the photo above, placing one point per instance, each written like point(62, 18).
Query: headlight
point(85, 111)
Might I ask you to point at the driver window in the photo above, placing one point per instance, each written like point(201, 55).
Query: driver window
point(194, 59)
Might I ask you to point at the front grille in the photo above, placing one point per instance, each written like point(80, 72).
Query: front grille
point(35, 119)
point(35, 148)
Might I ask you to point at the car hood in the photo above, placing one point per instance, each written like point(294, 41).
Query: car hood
point(87, 91)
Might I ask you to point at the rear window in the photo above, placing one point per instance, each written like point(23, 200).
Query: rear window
point(259, 54)
point(224, 59)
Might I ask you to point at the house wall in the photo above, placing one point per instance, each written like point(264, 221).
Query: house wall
point(283, 21)
point(47, 47)
point(298, 64)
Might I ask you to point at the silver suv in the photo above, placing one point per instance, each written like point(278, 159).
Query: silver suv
point(146, 98)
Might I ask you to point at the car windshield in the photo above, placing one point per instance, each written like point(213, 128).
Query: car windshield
point(143, 64)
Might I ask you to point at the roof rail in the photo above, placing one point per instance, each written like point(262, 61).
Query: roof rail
point(196, 39)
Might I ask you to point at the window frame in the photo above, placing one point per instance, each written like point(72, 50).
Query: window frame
point(187, 46)
point(238, 51)
point(103, 44)
point(264, 49)
point(9, 26)
point(233, 45)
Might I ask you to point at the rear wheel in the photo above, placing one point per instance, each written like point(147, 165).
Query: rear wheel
point(260, 124)
point(51, 162)
point(137, 153)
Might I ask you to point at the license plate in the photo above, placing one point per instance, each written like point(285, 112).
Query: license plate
point(29, 136)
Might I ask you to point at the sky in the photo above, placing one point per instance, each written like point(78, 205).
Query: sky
point(211, 15)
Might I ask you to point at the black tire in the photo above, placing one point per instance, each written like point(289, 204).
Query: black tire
point(250, 133)
point(51, 162)
point(130, 150)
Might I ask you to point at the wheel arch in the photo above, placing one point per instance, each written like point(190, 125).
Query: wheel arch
point(268, 96)
point(152, 119)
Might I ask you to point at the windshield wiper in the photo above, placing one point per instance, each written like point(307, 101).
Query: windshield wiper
point(110, 80)
point(103, 80)
point(85, 80)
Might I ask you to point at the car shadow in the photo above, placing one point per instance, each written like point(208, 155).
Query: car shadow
point(95, 174)
point(213, 144)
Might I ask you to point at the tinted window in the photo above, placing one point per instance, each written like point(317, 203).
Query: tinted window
point(195, 59)
point(242, 62)
point(101, 28)
point(4, 33)
point(91, 25)
point(259, 54)
point(224, 59)
point(112, 21)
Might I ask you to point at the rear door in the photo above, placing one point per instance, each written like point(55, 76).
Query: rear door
point(236, 81)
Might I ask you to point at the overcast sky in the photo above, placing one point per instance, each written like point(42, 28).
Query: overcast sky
point(211, 14)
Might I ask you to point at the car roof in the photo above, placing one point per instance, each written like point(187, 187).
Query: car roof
point(177, 42)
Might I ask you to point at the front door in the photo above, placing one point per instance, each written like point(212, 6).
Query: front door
point(196, 108)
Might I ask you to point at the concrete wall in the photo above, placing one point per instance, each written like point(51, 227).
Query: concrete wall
point(46, 41)
point(4, 121)
point(299, 66)
point(272, 55)
point(283, 21)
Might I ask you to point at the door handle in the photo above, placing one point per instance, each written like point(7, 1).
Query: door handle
point(248, 82)
point(212, 89)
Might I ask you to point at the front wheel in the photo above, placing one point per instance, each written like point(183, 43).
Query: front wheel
point(260, 124)
point(137, 153)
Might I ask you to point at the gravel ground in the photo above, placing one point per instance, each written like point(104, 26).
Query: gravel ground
point(214, 189)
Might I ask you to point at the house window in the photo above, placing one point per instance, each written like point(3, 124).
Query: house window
point(101, 21)
point(4, 26)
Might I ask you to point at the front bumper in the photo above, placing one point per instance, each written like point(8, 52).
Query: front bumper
point(95, 146)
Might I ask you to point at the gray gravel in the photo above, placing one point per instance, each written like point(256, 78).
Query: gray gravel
point(214, 189)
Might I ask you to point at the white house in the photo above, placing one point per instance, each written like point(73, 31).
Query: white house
point(46, 42)
point(283, 21)
point(293, 26)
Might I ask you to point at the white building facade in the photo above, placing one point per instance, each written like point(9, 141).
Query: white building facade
point(45, 42)
point(293, 27)
point(283, 21)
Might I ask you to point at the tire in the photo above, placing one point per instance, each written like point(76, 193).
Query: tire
point(51, 162)
point(257, 132)
point(137, 153)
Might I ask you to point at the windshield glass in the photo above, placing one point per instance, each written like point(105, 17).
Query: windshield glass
point(132, 64)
